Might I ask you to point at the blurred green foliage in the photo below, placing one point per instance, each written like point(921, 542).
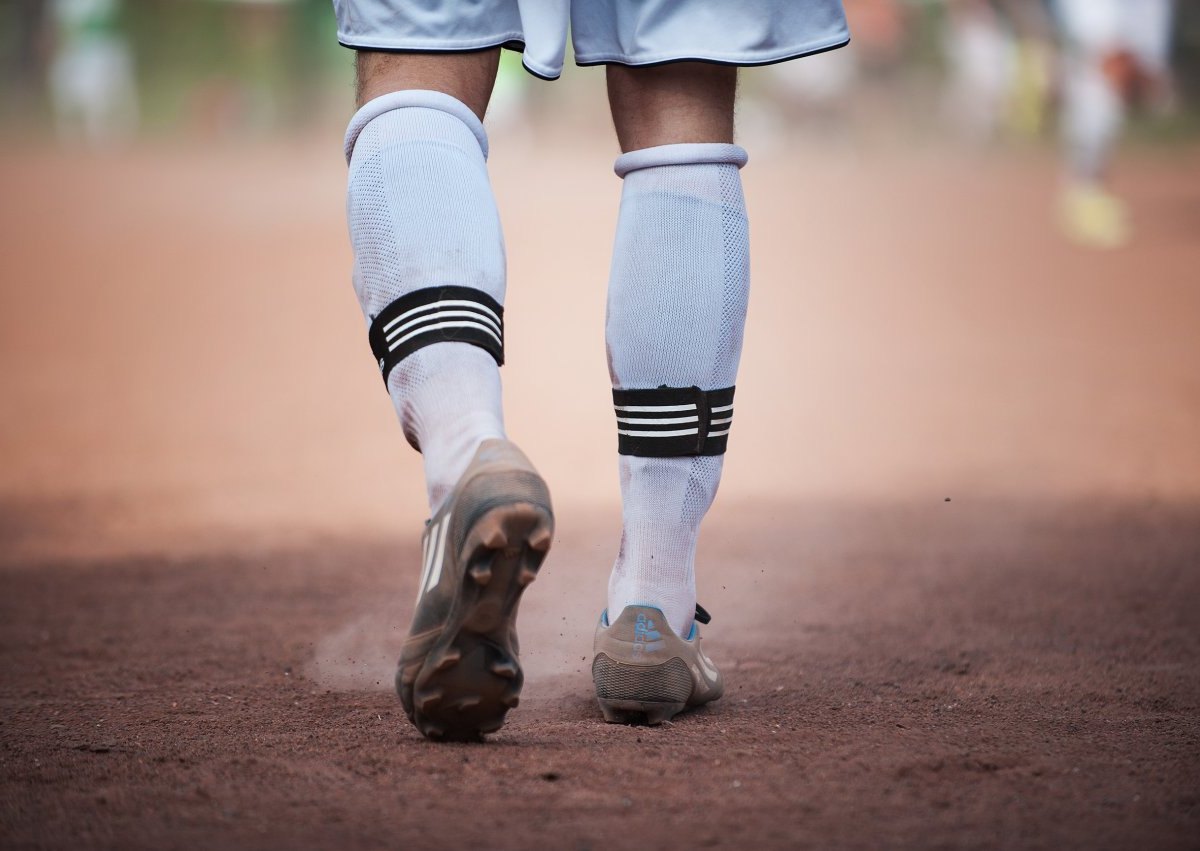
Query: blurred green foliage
point(216, 67)
point(262, 63)
point(215, 64)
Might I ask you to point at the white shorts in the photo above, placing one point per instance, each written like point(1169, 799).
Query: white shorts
point(626, 32)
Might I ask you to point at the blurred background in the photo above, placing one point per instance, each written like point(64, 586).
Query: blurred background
point(975, 270)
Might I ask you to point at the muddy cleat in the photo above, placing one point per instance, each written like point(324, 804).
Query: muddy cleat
point(643, 671)
point(458, 673)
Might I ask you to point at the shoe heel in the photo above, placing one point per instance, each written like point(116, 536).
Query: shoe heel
point(628, 693)
point(650, 712)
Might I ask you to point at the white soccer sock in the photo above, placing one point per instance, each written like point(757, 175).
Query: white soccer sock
point(421, 215)
point(676, 310)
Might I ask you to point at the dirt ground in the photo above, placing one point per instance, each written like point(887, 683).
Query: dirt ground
point(954, 568)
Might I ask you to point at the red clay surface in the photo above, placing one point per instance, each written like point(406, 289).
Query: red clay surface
point(208, 518)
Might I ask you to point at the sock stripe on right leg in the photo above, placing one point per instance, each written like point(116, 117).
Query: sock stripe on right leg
point(668, 422)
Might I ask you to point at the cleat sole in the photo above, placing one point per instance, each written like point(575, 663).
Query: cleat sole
point(449, 659)
point(540, 539)
point(650, 713)
point(427, 700)
point(491, 726)
point(477, 677)
point(494, 538)
point(508, 670)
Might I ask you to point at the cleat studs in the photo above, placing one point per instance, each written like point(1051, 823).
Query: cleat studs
point(494, 538)
point(449, 659)
point(490, 726)
point(510, 700)
point(526, 575)
point(539, 539)
point(662, 713)
point(433, 731)
point(481, 573)
point(505, 669)
point(429, 699)
point(466, 702)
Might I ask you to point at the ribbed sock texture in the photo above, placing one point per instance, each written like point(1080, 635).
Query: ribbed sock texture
point(676, 311)
point(421, 214)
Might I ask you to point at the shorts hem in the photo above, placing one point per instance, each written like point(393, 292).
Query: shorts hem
point(512, 40)
point(542, 72)
point(743, 61)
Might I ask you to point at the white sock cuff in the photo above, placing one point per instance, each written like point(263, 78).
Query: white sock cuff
point(687, 153)
point(440, 101)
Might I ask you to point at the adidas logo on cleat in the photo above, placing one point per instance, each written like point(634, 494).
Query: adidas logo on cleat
point(646, 639)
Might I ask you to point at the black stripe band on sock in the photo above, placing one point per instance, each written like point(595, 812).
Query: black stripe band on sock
point(436, 315)
point(667, 422)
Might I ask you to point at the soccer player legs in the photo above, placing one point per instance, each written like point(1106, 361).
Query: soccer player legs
point(676, 311)
point(429, 272)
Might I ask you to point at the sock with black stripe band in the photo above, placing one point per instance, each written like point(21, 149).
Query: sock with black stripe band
point(429, 272)
point(676, 312)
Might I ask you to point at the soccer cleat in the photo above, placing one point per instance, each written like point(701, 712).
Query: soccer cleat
point(643, 671)
point(1093, 217)
point(458, 673)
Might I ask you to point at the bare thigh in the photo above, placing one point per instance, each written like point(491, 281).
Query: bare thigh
point(671, 104)
point(469, 77)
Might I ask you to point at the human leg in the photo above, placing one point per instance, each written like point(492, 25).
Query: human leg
point(468, 77)
point(679, 103)
point(429, 274)
point(421, 216)
point(676, 310)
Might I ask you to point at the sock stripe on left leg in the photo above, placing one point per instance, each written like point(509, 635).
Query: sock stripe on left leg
point(436, 315)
